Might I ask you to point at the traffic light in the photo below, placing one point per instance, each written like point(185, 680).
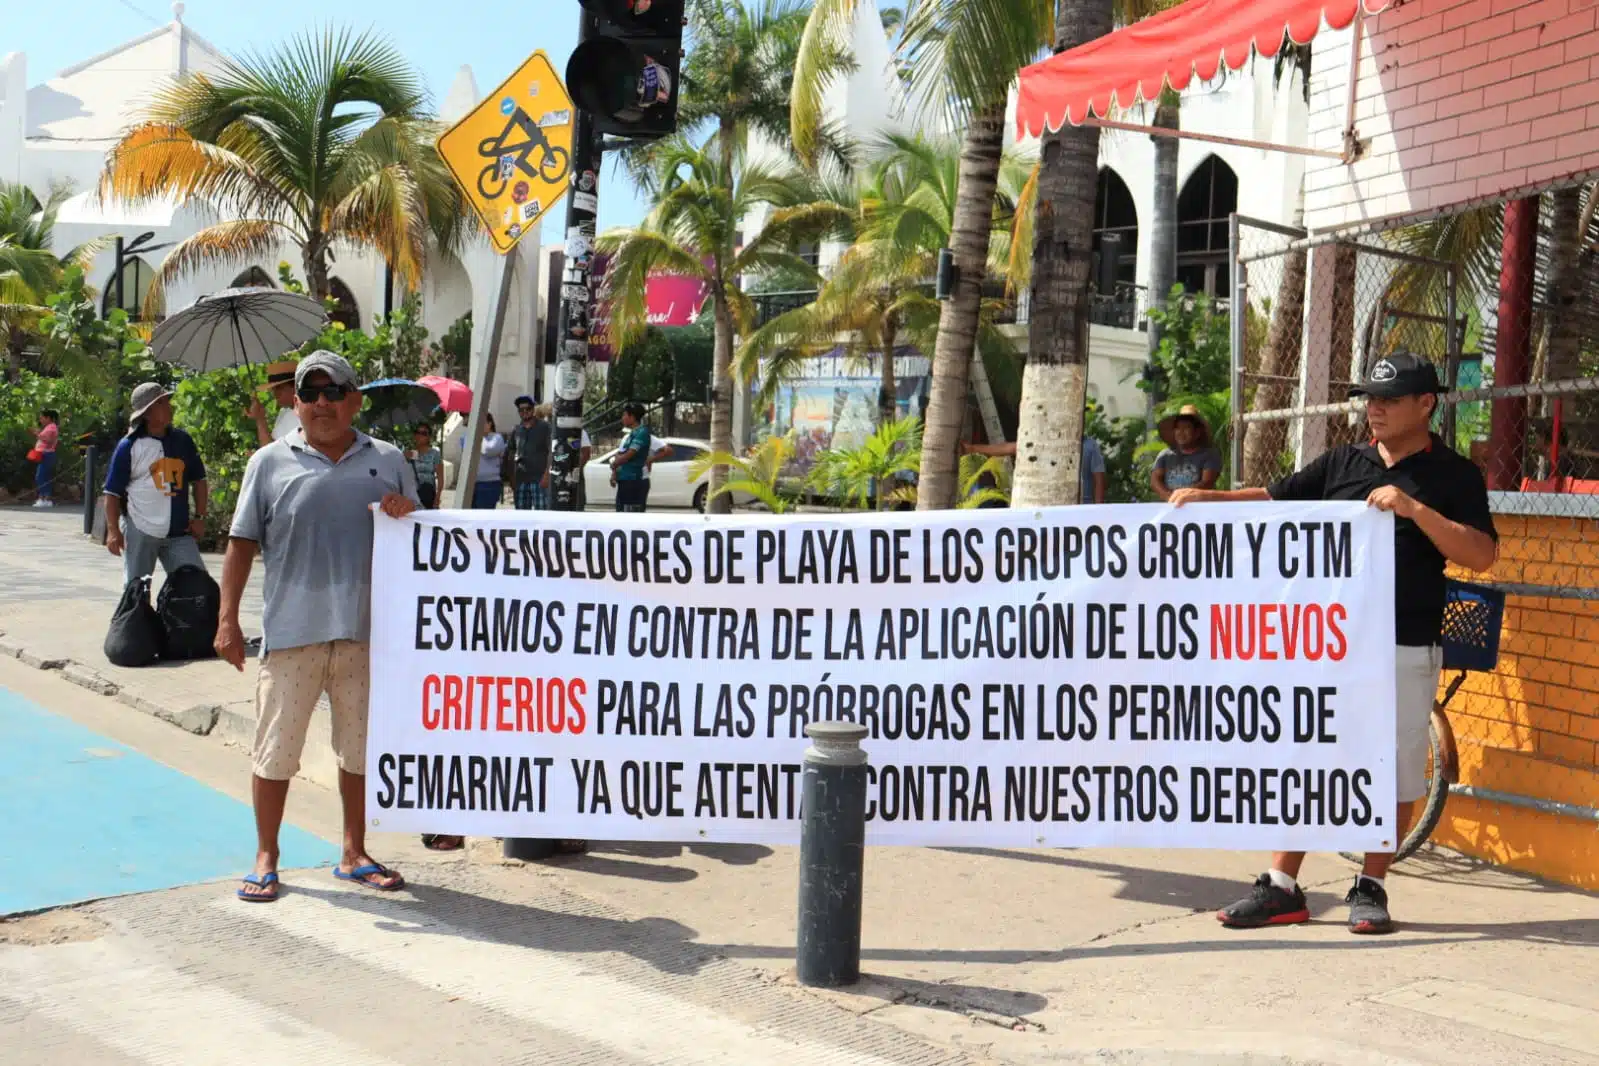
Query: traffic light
point(626, 74)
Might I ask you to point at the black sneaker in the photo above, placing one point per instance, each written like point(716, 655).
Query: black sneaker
point(1368, 908)
point(1266, 904)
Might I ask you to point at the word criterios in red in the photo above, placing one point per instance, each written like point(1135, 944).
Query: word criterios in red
point(490, 703)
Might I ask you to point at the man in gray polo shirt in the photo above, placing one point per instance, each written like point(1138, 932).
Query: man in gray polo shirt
point(305, 505)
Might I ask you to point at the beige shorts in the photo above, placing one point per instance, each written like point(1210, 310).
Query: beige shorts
point(286, 693)
point(1415, 689)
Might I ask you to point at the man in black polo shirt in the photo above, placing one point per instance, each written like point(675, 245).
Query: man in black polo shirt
point(1440, 504)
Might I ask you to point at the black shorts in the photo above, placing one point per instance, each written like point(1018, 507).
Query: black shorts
point(631, 496)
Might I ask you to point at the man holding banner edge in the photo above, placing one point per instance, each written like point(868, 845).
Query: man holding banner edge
point(304, 506)
point(1440, 504)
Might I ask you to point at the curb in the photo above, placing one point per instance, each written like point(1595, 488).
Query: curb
point(202, 719)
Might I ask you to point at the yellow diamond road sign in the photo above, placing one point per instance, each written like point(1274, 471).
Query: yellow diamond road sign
point(512, 155)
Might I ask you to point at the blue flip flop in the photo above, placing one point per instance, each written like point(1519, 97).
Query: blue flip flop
point(360, 874)
point(268, 880)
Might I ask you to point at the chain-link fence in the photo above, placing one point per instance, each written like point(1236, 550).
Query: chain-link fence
point(1514, 330)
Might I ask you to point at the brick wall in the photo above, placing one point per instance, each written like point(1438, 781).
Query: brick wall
point(1531, 728)
point(1544, 698)
point(1457, 100)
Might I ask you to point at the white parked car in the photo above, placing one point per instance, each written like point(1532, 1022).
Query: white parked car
point(670, 485)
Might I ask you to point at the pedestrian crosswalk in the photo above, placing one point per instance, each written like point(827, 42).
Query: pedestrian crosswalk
point(478, 966)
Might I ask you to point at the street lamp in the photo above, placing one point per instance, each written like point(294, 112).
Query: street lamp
point(125, 252)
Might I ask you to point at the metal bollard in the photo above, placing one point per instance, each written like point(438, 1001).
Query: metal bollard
point(91, 495)
point(832, 855)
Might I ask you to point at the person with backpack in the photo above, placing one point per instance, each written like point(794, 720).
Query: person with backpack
point(153, 472)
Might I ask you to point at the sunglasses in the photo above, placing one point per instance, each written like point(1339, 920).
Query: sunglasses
point(330, 393)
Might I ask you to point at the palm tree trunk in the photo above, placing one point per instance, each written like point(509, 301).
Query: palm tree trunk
point(957, 325)
point(721, 398)
point(1049, 438)
point(1163, 216)
point(15, 339)
point(1265, 442)
point(1562, 337)
point(1340, 366)
point(314, 260)
point(888, 386)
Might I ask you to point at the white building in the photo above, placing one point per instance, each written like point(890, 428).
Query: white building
point(58, 131)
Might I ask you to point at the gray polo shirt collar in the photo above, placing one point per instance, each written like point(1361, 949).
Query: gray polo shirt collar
point(297, 442)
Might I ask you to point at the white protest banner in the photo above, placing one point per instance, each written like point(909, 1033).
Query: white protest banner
point(1220, 676)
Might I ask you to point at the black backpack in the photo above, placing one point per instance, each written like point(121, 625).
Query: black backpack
point(134, 638)
point(188, 607)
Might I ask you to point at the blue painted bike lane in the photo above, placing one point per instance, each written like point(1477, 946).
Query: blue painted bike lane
point(83, 816)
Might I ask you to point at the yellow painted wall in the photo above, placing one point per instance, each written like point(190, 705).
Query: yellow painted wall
point(1532, 727)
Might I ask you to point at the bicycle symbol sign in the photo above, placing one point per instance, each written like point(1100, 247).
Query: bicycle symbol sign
point(512, 154)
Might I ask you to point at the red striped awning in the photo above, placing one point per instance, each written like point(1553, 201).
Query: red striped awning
point(1195, 38)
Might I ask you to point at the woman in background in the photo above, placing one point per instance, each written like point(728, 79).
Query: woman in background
point(425, 462)
point(486, 492)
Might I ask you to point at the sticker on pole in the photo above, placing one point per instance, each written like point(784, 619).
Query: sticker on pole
point(512, 154)
point(569, 380)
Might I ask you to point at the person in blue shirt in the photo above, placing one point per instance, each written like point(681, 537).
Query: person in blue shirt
point(627, 465)
point(152, 473)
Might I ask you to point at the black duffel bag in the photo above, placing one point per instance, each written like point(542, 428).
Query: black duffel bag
point(135, 637)
point(188, 607)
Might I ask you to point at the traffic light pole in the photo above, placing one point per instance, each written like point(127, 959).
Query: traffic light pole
point(572, 348)
point(577, 302)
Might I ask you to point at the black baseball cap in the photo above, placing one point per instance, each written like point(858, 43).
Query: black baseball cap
point(525, 401)
point(1398, 374)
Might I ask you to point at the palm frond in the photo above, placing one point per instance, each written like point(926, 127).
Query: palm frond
point(227, 244)
point(826, 39)
point(964, 54)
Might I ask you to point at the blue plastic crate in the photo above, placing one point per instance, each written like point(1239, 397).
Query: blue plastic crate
point(1473, 615)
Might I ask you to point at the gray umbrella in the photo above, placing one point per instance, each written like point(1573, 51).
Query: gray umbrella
point(238, 326)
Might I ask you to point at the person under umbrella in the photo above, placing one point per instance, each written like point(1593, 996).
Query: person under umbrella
point(280, 382)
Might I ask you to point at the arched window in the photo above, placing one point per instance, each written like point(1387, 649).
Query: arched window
point(136, 278)
point(1208, 196)
point(1115, 251)
point(346, 311)
point(254, 278)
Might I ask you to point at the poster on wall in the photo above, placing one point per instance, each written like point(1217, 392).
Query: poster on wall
point(1130, 675)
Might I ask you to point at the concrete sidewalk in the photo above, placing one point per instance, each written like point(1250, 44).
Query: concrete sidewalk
point(56, 601)
point(1025, 957)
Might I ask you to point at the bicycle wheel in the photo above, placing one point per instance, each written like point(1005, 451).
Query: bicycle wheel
point(1431, 804)
point(489, 182)
point(553, 166)
point(1430, 808)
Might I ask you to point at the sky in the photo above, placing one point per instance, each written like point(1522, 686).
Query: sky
point(439, 37)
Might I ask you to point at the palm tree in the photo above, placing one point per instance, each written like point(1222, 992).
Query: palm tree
point(1265, 443)
point(879, 293)
point(29, 270)
point(694, 230)
point(1049, 437)
point(963, 54)
point(757, 475)
point(855, 475)
point(324, 142)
